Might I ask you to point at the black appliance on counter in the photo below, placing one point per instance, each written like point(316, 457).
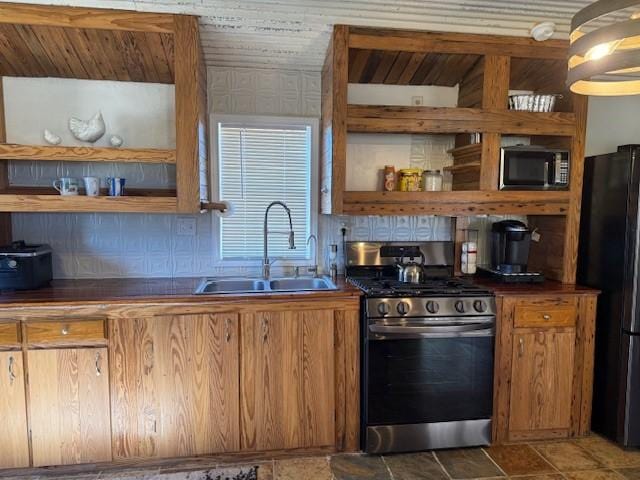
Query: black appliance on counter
point(609, 260)
point(427, 351)
point(510, 245)
point(25, 267)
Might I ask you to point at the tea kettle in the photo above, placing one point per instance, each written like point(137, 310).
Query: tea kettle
point(411, 272)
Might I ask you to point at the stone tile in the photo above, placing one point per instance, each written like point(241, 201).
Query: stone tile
point(594, 475)
point(567, 456)
point(468, 463)
point(608, 453)
point(316, 468)
point(519, 460)
point(630, 473)
point(414, 466)
point(358, 467)
point(544, 476)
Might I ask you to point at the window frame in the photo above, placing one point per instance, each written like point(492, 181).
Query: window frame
point(265, 121)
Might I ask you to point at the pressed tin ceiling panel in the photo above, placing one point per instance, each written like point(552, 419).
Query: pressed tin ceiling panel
point(294, 34)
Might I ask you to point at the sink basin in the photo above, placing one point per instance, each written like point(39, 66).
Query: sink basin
point(254, 285)
point(301, 284)
point(232, 285)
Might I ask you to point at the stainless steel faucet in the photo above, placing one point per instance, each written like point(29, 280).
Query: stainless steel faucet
point(314, 268)
point(266, 264)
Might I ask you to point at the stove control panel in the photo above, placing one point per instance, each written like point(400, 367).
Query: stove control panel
point(430, 307)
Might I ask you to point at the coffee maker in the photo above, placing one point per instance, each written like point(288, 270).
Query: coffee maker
point(510, 245)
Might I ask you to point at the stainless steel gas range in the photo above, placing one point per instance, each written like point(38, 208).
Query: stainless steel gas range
point(427, 351)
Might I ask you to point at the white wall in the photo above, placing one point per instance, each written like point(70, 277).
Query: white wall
point(142, 114)
point(612, 121)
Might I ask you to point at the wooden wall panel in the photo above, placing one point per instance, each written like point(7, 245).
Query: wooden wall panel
point(5, 218)
point(51, 51)
point(494, 96)
point(547, 255)
point(23, 14)
point(190, 112)
point(335, 78)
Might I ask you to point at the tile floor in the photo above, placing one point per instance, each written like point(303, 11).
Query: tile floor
point(590, 458)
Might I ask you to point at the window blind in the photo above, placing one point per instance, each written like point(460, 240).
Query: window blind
point(259, 165)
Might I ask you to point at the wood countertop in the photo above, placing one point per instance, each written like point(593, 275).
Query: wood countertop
point(548, 287)
point(141, 290)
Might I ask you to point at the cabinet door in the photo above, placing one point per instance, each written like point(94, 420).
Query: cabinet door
point(541, 384)
point(175, 385)
point(13, 412)
point(287, 380)
point(69, 406)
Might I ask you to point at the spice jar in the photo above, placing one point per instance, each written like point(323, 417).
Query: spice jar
point(432, 181)
point(409, 180)
point(389, 183)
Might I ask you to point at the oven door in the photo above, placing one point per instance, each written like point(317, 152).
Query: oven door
point(429, 374)
point(526, 169)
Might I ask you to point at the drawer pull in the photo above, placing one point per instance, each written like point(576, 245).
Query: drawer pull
point(12, 373)
point(98, 364)
point(546, 316)
point(65, 330)
point(227, 326)
point(521, 349)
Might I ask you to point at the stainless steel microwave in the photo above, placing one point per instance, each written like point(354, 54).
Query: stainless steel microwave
point(533, 168)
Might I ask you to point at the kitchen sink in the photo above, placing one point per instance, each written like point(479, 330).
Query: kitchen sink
point(254, 285)
point(302, 284)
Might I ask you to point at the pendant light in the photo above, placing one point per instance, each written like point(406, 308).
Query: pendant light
point(604, 52)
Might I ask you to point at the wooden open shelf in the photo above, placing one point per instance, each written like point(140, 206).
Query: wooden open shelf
point(396, 119)
point(56, 153)
point(81, 203)
point(99, 44)
point(456, 203)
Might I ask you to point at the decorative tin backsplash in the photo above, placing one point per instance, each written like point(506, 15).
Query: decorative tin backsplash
point(138, 245)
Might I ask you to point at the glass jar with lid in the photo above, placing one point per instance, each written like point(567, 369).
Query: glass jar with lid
point(432, 181)
point(409, 180)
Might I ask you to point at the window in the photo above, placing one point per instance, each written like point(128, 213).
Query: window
point(259, 160)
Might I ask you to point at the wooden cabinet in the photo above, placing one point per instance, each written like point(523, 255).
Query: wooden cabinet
point(69, 406)
point(544, 366)
point(287, 380)
point(13, 412)
point(175, 385)
point(541, 383)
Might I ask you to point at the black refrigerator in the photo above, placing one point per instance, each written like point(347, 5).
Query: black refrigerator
point(609, 259)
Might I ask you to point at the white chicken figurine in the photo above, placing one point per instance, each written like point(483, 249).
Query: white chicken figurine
point(90, 130)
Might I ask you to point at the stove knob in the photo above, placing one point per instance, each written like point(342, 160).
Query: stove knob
point(403, 308)
point(12, 264)
point(383, 308)
point(432, 307)
point(459, 306)
point(480, 306)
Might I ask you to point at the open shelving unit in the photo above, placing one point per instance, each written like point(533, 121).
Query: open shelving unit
point(118, 45)
point(485, 68)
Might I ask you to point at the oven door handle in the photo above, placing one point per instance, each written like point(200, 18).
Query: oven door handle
point(385, 332)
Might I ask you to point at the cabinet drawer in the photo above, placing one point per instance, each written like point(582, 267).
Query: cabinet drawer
point(77, 331)
point(9, 334)
point(561, 312)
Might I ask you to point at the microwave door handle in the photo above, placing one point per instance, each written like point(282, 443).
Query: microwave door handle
point(546, 174)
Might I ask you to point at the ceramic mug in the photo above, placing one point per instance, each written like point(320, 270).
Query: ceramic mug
point(67, 185)
point(92, 186)
point(115, 186)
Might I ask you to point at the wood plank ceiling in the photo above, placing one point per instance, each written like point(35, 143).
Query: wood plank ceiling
point(38, 51)
point(294, 34)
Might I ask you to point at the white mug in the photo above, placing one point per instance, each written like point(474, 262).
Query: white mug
point(115, 186)
point(67, 185)
point(92, 186)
